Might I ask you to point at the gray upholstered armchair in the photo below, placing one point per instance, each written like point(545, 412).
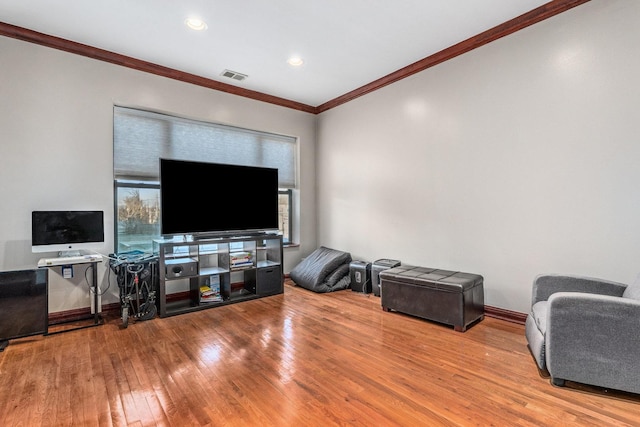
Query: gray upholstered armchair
point(586, 330)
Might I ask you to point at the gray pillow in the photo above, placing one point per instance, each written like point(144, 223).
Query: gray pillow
point(539, 314)
point(633, 290)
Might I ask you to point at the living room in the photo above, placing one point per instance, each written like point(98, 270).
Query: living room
point(514, 159)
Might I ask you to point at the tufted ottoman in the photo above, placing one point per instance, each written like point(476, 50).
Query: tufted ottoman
point(449, 297)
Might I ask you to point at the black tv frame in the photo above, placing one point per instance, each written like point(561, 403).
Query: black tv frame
point(66, 230)
point(244, 199)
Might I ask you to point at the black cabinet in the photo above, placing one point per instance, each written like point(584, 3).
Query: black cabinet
point(23, 304)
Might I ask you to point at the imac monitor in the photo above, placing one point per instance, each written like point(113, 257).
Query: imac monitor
point(66, 231)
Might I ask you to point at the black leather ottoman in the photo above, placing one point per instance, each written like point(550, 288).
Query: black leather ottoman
point(449, 297)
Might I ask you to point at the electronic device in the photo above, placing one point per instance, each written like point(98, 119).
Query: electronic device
point(181, 267)
point(376, 268)
point(66, 231)
point(23, 304)
point(244, 198)
point(360, 272)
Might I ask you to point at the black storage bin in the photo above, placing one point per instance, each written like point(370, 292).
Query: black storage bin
point(269, 281)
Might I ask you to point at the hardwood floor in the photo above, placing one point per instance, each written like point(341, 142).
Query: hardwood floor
point(298, 359)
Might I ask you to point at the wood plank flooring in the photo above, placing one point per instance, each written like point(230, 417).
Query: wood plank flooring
point(298, 359)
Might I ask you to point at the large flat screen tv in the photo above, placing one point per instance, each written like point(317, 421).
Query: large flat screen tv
point(66, 231)
point(198, 198)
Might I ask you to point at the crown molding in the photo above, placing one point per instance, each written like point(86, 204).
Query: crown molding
point(516, 24)
point(46, 40)
point(534, 16)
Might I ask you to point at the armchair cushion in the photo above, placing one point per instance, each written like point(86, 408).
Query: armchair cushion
point(539, 315)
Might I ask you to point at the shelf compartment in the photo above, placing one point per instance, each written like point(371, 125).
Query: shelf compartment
point(209, 271)
point(267, 263)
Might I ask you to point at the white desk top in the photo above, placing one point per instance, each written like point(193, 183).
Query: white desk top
point(69, 260)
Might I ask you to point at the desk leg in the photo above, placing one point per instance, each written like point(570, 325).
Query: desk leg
point(97, 318)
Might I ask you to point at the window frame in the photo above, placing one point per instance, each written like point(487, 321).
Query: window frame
point(288, 235)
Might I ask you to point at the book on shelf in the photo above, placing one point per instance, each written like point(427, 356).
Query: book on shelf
point(211, 292)
point(241, 255)
point(241, 259)
point(242, 264)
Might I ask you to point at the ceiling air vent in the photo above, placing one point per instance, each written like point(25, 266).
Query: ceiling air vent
point(234, 75)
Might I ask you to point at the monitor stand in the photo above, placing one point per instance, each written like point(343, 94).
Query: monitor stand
point(67, 254)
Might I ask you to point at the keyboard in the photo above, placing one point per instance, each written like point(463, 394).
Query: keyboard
point(67, 260)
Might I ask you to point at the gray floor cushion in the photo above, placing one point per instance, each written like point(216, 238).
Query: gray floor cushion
point(324, 270)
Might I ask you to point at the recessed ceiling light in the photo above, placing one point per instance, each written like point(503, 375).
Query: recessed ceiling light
point(196, 24)
point(295, 61)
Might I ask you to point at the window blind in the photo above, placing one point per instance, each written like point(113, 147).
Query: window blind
point(141, 138)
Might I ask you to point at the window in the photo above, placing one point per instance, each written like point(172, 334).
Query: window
point(284, 213)
point(137, 216)
point(141, 138)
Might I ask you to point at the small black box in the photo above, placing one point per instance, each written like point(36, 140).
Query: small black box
point(269, 281)
point(360, 272)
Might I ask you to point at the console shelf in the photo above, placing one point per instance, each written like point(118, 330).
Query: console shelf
point(205, 273)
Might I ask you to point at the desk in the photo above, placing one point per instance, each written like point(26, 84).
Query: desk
point(93, 262)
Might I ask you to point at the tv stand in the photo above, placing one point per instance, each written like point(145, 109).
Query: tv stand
point(206, 272)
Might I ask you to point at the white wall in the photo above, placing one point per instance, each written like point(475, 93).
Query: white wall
point(518, 158)
point(56, 119)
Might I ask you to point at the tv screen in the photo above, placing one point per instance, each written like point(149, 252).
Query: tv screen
point(66, 230)
point(209, 198)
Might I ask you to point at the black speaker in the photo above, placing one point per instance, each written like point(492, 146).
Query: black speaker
point(360, 272)
point(181, 267)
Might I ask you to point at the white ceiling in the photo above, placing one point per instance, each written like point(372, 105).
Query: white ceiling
point(345, 43)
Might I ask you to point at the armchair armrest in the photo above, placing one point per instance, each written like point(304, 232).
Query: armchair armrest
point(593, 339)
point(547, 284)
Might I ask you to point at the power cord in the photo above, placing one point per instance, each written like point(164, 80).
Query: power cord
point(86, 279)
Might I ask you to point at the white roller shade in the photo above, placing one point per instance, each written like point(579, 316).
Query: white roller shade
point(141, 138)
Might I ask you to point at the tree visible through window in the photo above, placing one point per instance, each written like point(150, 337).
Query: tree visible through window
point(137, 217)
